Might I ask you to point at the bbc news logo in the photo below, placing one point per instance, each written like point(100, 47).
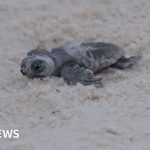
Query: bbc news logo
point(9, 134)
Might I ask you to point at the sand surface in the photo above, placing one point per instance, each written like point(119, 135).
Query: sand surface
point(53, 116)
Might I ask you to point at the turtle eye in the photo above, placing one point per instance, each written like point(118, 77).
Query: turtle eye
point(38, 66)
point(23, 65)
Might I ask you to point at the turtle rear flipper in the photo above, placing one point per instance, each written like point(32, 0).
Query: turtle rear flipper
point(124, 62)
point(73, 74)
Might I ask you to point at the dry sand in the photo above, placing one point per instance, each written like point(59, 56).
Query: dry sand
point(53, 116)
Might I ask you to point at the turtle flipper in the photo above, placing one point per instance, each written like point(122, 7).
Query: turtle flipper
point(73, 73)
point(124, 62)
point(38, 52)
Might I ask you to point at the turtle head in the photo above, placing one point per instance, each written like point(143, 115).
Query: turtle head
point(37, 66)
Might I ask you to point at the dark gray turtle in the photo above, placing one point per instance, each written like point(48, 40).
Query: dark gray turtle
point(76, 62)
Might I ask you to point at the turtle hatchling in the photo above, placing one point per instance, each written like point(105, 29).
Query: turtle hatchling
point(76, 62)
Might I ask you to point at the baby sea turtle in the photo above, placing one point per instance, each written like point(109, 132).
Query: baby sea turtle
point(75, 62)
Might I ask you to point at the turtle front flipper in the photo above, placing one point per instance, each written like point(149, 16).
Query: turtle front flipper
point(124, 62)
point(38, 52)
point(73, 74)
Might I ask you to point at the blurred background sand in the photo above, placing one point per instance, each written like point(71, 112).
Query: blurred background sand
point(53, 116)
